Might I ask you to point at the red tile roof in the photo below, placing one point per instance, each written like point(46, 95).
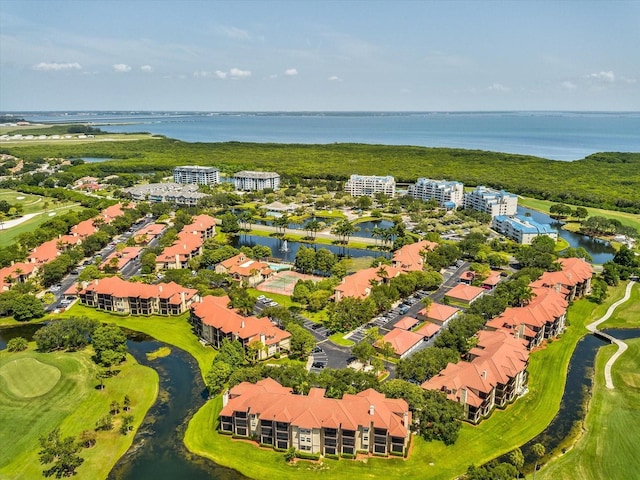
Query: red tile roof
point(402, 340)
point(439, 312)
point(497, 358)
point(574, 271)
point(358, 284)
point(428, 330)
point(268, 399)
point(149, 232)
point(407, 323)
point(244, 266)
point(493, 279)
point(408, 258)
point(466, 293)
point(119, 288)
point(186, 246)
point(215, 312)
point(125, 256)
point(84, 229)
point(200, 224)
point(45, 253)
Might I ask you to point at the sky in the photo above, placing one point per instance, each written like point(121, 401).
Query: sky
point(312, 55)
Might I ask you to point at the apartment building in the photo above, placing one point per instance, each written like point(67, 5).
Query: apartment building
point(573, 280)
point(448, 194)
point(196, 174)
point(245, 270)
point(360, 283)
point(494, 375)
point(250, 181)
point(213, 321)
point(491, 201)
point(409, 258)
point(167, 192)
point(522, 229)
point(272, 414)
point(369, 185)
point(116, 295)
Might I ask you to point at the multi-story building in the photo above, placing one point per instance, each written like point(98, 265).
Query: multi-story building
point(491, 201)
point(448, 194)
point(272, 414)
point(494, 375)
point(196, 174)
point(245, 270)
point(116, 295)
point(188, 244)
point(573, 280)
point(213, 321)
point(249, 181)
point(167, 192)
point(369, 185)
point(522, 229)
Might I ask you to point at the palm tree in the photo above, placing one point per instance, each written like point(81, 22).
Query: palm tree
point(376, 233)
point(344, 229)
point(313, 227)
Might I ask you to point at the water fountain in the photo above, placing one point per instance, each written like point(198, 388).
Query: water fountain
point(284, 247)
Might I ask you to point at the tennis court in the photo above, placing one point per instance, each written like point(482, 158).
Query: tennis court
point(283, 282)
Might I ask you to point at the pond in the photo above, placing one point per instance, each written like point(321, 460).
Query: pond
point(600, 250)
point(289, 254)
point(158, 451)
point(367, 227)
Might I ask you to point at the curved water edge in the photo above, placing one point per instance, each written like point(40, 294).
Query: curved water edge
point(158, 450)
point(600, 250)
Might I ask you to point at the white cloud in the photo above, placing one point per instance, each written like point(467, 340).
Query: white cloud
point(291, 72)
point(235, 33)
point(568, 85)
point(221, 74)
point(56, 67)
point(608, 77)
point(121, 67)
point(334, 78)
point(146, 68)
point(498, 87)
point(237, 73)
point(628, 80)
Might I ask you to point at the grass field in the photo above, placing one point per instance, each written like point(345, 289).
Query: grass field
point(505, 430)
point(10, 235)
point(34, 402)
point(608, 447)
point(172, 330)
point(628, 314)
point(543, 205)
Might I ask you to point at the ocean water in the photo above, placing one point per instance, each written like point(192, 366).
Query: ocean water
point(554, 135)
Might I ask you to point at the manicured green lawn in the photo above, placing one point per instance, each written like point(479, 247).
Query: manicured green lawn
point(172, 330)
point(543, 205)
point(608, 447)
point(505, 430)
point(8, 236)
point(71, 402)
point(626, 315)
point(338, 340)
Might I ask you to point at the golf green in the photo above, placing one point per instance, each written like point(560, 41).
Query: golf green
point(28, 377)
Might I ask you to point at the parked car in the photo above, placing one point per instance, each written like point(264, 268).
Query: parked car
point(318, 365)
point(318, 350)
point(273, 304)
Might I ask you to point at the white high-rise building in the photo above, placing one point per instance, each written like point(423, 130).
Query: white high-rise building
point(491, 201)
point(249, 181)
point(448, 194)
point(196, 174)
point(369, 185)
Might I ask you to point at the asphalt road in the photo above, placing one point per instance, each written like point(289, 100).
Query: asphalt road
point(71, 279)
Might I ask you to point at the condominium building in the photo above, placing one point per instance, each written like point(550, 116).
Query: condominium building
point(274, 416)
point(167, 192)
point(522, 229)
point(449, 195)
point(249, 181)
point(213, 321)
point(369, 185)
point(491, 201)
point(116, 295)
point(196, 174)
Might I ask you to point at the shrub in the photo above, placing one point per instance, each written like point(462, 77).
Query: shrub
point(17, 344)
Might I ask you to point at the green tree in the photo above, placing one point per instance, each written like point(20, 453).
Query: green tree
point(109, 344)
point(241, 300)
point(126, 403)
point(301, 342)
point(516, 458)
point(87, 438)
point(148, 263)
point(61, 452)
point(17, 344)
point(217, 377)
point(105, 423)
point(539, 451)
point(127, 424)
point(363, 351)
point(305, 259)
point(581, 213)
point(27, 307)
point(231, 353)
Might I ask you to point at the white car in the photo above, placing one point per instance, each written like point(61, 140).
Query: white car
point(273, 304)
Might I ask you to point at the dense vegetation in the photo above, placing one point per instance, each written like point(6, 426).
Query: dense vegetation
point(617, 186)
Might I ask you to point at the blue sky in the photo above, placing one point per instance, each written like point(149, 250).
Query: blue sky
point(319, 55)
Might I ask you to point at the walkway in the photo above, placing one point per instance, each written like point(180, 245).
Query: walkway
point(17, 221)
point(593, 327)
